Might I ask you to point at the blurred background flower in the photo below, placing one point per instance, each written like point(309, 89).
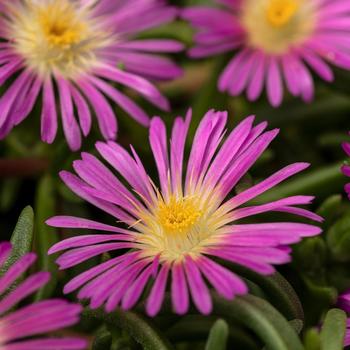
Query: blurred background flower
point(276, 41)
point(70, 51)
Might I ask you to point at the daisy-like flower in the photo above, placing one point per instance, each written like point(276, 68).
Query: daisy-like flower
point(71, 53)
point(276, 41)
point(346, 168)
point(22, 329)
point(344, 303)
point(179, 230)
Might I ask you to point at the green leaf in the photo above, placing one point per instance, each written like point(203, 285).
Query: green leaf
point(327, 106)
point(338, 239)
point(21, 238)
point(324, 295)
point(312, 340)
point(297, 325)
point(321, 181)
point(311, 255)
point(333, 330)
point(193, 328)
point(178, 30)
point(217, 336)
point(45, 236)
point(330, 208)
point(102, 340)
point(140, 328)
point(262, 318)
point(277, 289)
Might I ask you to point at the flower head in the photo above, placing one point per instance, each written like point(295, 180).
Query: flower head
point(19, 329)
point(178, 229)
point(73, 52)
point(346, 168)
point(344, 303)
point(275, 41)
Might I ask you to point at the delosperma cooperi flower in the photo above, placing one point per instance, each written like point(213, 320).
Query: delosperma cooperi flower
point(25, 328)
point(69, 55)
point(175, 229)
point(274, 42)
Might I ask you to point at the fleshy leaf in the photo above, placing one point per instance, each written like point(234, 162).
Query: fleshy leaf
point(333, 330)
point(217, 336)
point(21, 238)
point(262, 318)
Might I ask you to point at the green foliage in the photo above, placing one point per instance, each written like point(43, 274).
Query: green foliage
point(21, 238)
point(333, 330)
point(265, 321)
point(312, 339)
point(136, 325)
point(217, 336)
point(338, 239)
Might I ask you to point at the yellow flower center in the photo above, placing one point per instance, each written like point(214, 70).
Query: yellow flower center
point(178, 215)
point(177, 226)
point(61, 28)
point(56, 36)
point(275, 26)
point(279, 12)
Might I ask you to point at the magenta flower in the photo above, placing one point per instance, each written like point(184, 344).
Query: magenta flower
point(71, 53)
point(346, 168)
point(20, 328)
point(177, 231)
point(344, 303)
point(275, 41)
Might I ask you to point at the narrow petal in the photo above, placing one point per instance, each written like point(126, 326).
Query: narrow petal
point(48, 113)
point(179, 290)
point(158, 142)
point(105, 115)
point(24, 289)
point(70, 125)
point(156, 296)
point(274, 83)
point(197, 287)
point(223, 280)
point(16, 270)
point(83, 110)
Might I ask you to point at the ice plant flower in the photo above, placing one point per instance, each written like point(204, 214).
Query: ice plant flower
point(23, 328)
point(178, 230)
point(275, 41)
point(70, 53)
point(346, 168)
point(344, 304)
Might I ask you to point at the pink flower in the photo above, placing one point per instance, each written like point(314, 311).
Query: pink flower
point(72, 53)
point(275, 42)
point(20, 328)
point(177, 230)
point(346, 168)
